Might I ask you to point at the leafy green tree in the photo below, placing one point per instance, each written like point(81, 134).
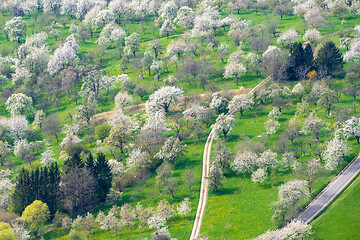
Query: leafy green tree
point(102, 131)
point(327, 99)
point(35, 215)
point(103, 176)
point(216, 176)
point(329, 58)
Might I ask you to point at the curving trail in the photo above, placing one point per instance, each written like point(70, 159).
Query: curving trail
point(334, 188)
point(205, 173)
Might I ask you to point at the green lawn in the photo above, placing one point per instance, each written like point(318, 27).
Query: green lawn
point(341, 220)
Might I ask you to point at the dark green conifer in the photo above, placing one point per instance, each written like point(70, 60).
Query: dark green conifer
point(102, 176)
point(329, 58)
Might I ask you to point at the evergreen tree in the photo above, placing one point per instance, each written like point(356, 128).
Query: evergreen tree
point(329, 58)
point(34, 184)
point(73, 161)
point(300, 59)
point(90, 163)
point(43, 188)
point(53, 186)
point(39, 184)
point(103, 176)
point(309, 57)
point(22, 193)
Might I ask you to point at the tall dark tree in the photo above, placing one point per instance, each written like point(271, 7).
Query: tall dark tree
point(40, 184)
point(22, 193)
point(329, 58)
point(103, 176)
point(299, 60)
point(309, 56)
point(74, 161)
point(90, 163)
point(53, 188)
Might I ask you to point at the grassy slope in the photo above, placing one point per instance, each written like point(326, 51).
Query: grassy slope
point(241, 206)
point(341, 220)
point(237, 190)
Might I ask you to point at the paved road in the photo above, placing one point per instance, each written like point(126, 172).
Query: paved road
point(331, 191)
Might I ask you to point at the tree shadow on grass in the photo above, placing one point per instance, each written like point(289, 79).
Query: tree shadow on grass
point(225, 191)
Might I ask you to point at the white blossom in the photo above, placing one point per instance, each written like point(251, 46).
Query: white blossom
point(185, 207)
point(334, 153)
point(218, 103)
point(259, 175)
point(274, 113)
point(20, 230)
point(271, 126)
point(293, 191)
point(70, 138)
point(156, 221)
point(122, 99)
point(163, 97)
point(353, 54)
point(21, 73)
point(267, 159)
point(16, 28)
point(64, 55)
point(311, 35)
point(47, 157)
point(290, 37)
point(19, 103)
point(17, 125)
point(352, 127)
point(136, 158)
point(6, 188)
point(22, 148)
point(244, 162)
point(224, 124)
point(314, 18)
point(239, 103)
point(196, 112)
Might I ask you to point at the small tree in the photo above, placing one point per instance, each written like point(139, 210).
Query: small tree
point(216, 176)
point(163, 97)
point(224, 124)
point(271, 126)
point(19, 103)
point(189, 178)
point(259, 176)
point(350, 126)
point(239, 103)
point(118, 137)
point(310, 172)
point(171, 150)
point(327, 99)
point(35, 215)
point(172, 186)
point(15, 28)
point(185, 207)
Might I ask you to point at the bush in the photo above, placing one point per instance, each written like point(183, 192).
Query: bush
point(102, 131)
